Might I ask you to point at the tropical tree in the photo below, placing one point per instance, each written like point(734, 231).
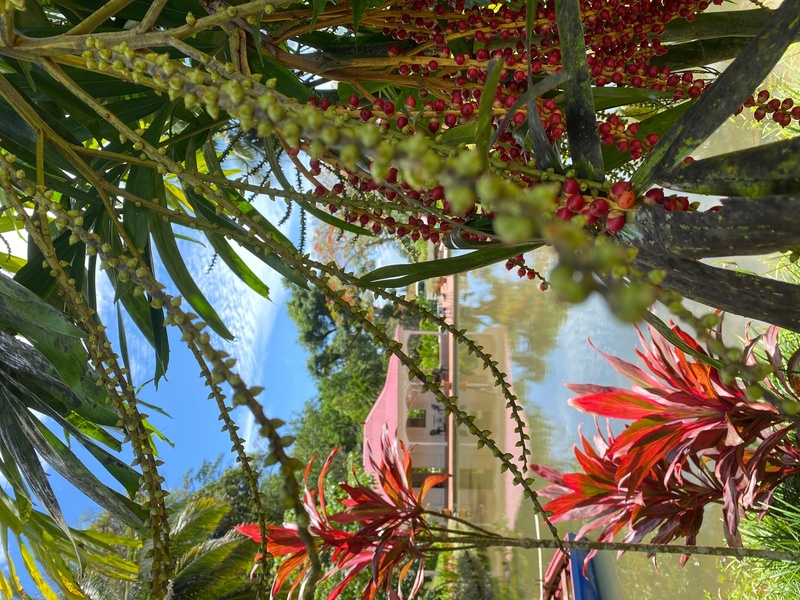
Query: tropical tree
point(493, 127)
point(208, 566)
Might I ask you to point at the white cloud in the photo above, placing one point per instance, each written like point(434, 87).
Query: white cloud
point(248, 316)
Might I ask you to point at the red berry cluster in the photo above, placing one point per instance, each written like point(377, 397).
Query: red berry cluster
point(626, 137)
point(524, 271)
point(600, 212)
point(782, 111)
point(413, 224)
point(672, 203)
point(620, 34)
point(449, 76)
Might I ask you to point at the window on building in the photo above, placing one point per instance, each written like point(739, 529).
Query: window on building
point(418, 476)
point(415, 417)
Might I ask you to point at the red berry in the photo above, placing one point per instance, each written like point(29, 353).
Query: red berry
point(619, 187)
point(615, 221)
point(590, 218)
point(570, 186)
point(626, 199)
point(564, 213)
point(575, 203)
point(353, 101)
point(598, 207)
point(365, 114)
point(655, 195)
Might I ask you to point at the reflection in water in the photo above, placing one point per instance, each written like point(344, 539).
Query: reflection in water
point(542, 343)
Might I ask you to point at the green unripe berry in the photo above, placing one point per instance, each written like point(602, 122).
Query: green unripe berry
point(571, 286)
point(514, 229)
point(350, 155)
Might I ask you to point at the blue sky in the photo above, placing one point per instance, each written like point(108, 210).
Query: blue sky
point(268, 356)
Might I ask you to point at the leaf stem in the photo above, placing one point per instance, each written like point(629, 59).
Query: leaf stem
point(90, 23)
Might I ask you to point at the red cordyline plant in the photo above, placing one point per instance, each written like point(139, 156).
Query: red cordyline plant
point(391, 538)
point(694, 440)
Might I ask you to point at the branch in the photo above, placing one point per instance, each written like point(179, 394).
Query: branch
point(105, 12)
point(744, 227)
point(151, 16)
point(529, 543)
point(740, 293)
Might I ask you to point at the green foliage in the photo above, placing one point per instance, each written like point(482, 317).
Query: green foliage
point(320, 427)
point(462, 575)
point(778, 529)
point(208, 566)
point(228, 485)
point(348, 370)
